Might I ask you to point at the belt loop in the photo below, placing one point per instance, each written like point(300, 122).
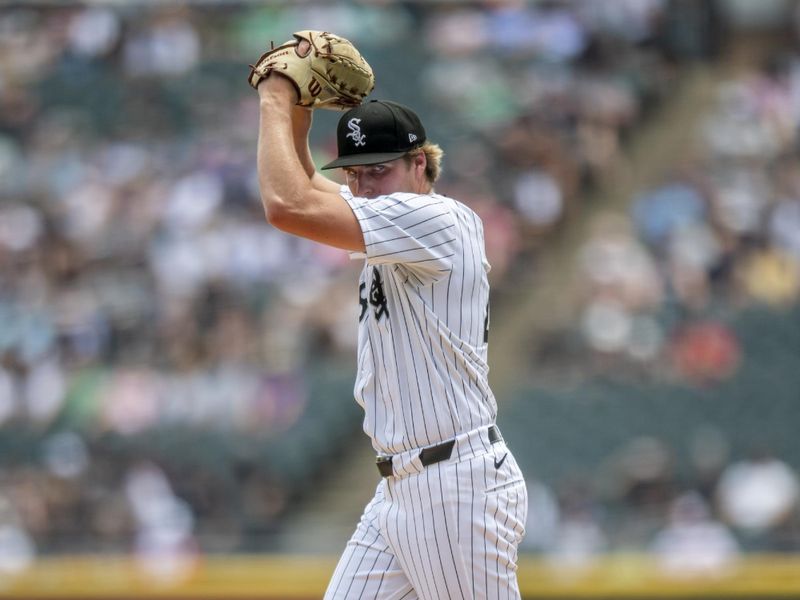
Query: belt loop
point(494, 435)
point(384, 464)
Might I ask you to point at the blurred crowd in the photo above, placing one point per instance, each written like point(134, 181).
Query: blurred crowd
point(537, 99)
point(140, 286)
point(695, 527)
point(721, 233)
point(663, 288)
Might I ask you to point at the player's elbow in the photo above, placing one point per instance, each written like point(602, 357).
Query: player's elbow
point(277, 213)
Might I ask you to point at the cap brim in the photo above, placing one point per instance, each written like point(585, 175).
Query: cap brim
point(355, 160)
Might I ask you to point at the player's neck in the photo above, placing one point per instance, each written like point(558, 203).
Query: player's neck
point(422, 187)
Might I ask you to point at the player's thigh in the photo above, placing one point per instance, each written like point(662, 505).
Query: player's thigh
point(368, 568)
point(455, 527)
point(483, 506)
point(365, 572)
point(500, 509)
point(421, 527)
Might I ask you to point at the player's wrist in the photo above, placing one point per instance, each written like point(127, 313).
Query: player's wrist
point(277, 91)
point(302, 118)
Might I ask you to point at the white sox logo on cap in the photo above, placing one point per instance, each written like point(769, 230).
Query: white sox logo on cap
point(359, 139)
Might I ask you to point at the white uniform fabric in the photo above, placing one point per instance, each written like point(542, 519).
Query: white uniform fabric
point(422, 354)
point(451, 529)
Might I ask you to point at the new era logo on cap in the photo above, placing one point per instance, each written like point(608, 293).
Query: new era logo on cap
point(375, 132)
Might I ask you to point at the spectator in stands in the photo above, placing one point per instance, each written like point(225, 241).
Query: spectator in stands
point(579, 538)
point(770, 276)
point(622, 287)
point(705, 352)
point(758, 496)
point(692, 543)
point(17, 550)
point(544, 516)
point(165, 547)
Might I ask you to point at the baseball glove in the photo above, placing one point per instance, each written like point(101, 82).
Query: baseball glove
point(330, 74)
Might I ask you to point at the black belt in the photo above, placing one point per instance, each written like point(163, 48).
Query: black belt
point(433, 454)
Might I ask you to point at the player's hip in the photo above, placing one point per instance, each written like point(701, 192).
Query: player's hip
point(481, 441)
point(480, 490)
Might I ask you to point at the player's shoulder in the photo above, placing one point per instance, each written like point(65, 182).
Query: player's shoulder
point(456, 206)
point(399, 202)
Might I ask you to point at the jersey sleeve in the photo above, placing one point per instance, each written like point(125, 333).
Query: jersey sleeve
point(416, 231)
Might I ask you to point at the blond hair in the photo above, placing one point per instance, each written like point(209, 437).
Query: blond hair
point(433, 159)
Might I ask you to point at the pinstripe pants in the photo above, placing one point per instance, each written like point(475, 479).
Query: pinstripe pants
point(446, 531)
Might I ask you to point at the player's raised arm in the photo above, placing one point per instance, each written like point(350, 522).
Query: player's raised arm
point(301, 125)
point(296, 199)
point(291, 202)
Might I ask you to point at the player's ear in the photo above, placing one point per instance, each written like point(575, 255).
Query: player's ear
point(420, 162)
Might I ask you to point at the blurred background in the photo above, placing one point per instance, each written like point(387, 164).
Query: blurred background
point(176, 412)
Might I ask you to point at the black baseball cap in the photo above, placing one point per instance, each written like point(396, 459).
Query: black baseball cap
point(375, 132)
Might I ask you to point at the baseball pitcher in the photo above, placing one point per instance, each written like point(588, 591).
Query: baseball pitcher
point(449, 511)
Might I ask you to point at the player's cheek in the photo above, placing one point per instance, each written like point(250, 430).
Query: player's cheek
point(384, 182)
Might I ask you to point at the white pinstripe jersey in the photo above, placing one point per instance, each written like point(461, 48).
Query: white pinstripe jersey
point(423, 324)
